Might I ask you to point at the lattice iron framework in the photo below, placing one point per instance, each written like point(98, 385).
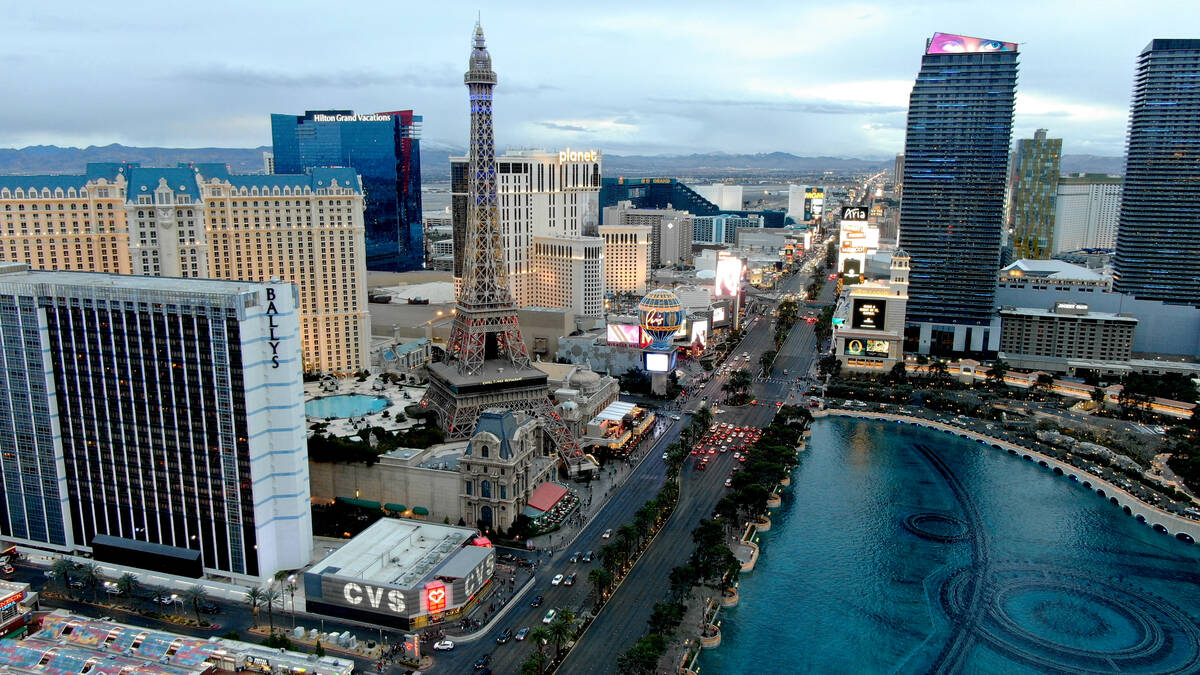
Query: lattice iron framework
point(485, 322)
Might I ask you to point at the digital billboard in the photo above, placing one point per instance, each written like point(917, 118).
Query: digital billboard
point(657, 362)
point(858, 347)
point(814, 203)
point(626, 334)
point(946, 43)
point(435, 597)
point(729, 277)
point(718, 315)
point(868, 314)
point(699, 333)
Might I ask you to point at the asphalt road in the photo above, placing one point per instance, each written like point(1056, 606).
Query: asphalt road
point(623, 620)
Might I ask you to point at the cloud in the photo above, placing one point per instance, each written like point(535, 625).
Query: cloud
point(245, 76)
point(1040, 105)
point(563, 127)
point(818, 107)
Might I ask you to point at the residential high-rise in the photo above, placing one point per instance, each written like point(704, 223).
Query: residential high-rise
point(626, 258)
point(898, 175)
point(200, 222)
point(147, 410)
point(952, 212)
point(385, 150)
point(721, 229)
point(670, 231)
point(487, 362)
point(1086, 212)
point(1158, 237)
point(548, 197)
point(1033, 190)
point(568, 273)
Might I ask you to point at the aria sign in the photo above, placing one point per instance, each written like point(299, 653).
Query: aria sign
point(854, 213)
point(352, 118)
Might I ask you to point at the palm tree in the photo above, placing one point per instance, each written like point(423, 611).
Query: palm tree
point(540, 637)
point(195, 595)
point(767, 358)
point(128, 585)
point(703, 418)
point(535, 664)
point(270, 597)
point(561, 630)
point(627, 539)
point(254, 598)
point(601, 580)
point(939, 370)
point(61, 570)
point(89, 574)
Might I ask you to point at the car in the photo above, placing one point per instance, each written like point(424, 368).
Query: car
point(483, 661)
point(550, 616)
point(701, 466)
point(556, 580)
point(587, 557)
point(163, 599)
point(537, 602)
point(742, 459)
point(443, 646)
point(607, 534)
point(208, 607)
point(8, 569)
point(677, 417)
point(504, 637)
point(728, 482)
point(664, 455)
point(520, 636)
point(575, 556)
point(570, 580)
point(778, 404)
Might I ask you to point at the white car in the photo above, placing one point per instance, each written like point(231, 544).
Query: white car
point(549, 618)
point(664, 455)
point(556, 580)
point(443, 646)
point(607, 534)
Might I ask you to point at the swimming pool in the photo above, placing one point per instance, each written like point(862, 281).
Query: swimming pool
point(345, 405)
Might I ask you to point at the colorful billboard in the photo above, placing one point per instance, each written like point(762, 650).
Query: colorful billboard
point(700, 333)
point(658, 362)
point(857, 347)
point(729, 277)
point(868, 314)
point(946, 43)
point(814, 203)
point(626, 334)
point(718, 315)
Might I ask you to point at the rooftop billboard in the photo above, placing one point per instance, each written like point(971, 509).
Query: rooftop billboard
point(946, 43)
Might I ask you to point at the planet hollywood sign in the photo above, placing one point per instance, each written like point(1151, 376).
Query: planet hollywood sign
point(570, 155)
point(352, 118)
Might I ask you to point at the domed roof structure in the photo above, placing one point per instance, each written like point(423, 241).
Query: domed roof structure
point(661, 315)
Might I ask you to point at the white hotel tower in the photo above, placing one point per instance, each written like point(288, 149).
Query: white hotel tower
point(154, 422)
point(549, 208)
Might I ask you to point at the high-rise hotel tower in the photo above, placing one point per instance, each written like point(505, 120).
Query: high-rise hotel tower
point(959, 128)
point(1158, 230)
point(154, 422)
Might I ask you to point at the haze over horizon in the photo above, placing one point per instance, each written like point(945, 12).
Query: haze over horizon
point(809, 79)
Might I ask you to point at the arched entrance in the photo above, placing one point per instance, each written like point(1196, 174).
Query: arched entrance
point(485, 517)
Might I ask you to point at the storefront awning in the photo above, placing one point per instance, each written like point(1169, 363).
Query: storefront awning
point(361, 503)
point(395, 508)
point(546, 496)
point(420, 510)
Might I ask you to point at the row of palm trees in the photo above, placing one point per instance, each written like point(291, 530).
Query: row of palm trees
point(272, 596)
point(87, 576)
point(560, 631)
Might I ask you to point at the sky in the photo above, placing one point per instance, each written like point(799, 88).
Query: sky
point(813, 79)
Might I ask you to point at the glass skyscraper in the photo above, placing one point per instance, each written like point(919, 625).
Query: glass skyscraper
point(1034, 189)
point(384, 149)
point(1158, 230)
point(955, 171)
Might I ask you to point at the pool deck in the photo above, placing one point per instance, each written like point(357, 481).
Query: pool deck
point(349, 385)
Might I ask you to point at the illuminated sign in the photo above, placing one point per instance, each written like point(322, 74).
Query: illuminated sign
point(373, 597)
point(658, 362)
point(858, 347)
point(699, 333)
point(435, 597)
point(868, 314)
point(854, 213)
point(718, 314)
point(570, 155)
point(945, 43)
point(729, 276)
point(626, 334)
point(352, 118)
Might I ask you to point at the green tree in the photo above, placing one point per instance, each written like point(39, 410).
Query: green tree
point(1098, 395)
point(998, 371)
point(939, 370)
point(829, 366)
point(318, 649)
point(767, 358)
point(128, 585)
point(62, 570)
point(195, 595)
point(540, 637)
point(561, 630)
point(89, 574)
point(270, 597)
point(600, 579)
point(536, 663)
point(899, 373)
point(254, 598)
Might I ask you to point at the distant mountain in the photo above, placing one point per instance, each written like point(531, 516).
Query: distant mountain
point(1092, 164)
point(435, 161)
point(51, 159)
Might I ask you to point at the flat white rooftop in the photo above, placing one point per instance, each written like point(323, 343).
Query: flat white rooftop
point(395, 551)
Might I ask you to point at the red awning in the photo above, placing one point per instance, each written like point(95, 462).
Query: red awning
point(546, 496)
point(482, 541)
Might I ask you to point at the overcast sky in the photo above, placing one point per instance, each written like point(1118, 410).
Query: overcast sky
point(827, 78)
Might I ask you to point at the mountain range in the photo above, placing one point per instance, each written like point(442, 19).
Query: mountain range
point(435, 164)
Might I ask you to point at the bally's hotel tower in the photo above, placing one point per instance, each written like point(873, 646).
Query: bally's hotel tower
point(153, 418)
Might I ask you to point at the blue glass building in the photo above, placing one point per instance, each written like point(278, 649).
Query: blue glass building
point(385, 150)
point(1158, 231)
point(959, 128)
point(661, 193)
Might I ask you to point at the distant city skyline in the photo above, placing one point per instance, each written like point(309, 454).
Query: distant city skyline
point(804, 78)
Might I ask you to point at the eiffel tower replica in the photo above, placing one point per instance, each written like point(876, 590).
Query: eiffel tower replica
point(487, 363)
